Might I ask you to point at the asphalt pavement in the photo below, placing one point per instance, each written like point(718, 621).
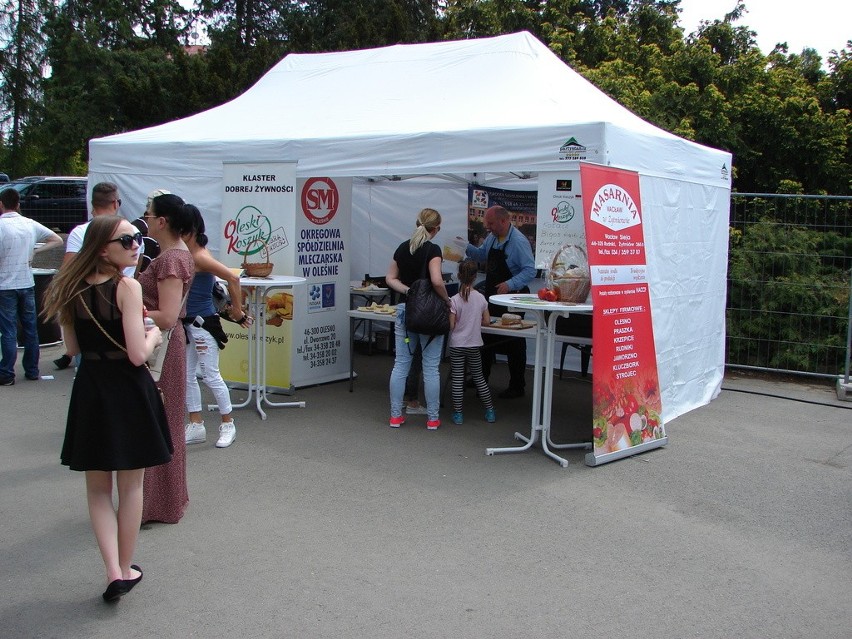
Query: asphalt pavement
point(325, 522)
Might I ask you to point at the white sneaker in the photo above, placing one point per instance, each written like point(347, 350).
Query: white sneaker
point(227, 434)
point(195, 433)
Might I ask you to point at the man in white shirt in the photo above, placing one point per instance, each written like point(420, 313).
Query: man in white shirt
point(18, 238)
point(105, 201)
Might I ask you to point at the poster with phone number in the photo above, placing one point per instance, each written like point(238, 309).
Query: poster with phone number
point(626, 394)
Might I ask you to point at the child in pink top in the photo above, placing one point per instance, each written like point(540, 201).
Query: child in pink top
point(468, 314)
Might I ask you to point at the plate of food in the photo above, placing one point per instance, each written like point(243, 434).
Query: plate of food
point(512, 322)
point(381, 309)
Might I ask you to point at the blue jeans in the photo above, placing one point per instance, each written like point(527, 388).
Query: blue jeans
point(15, 304)
point(431, 355)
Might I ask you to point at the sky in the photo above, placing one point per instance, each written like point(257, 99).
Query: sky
point(819, 24)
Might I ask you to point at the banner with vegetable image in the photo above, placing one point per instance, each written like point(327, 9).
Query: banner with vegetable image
point(625, 390)
point(258, 226)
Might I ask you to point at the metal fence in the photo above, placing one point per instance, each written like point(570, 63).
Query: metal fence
point(790, 284)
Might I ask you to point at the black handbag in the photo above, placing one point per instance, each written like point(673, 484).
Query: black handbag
point(425, 312)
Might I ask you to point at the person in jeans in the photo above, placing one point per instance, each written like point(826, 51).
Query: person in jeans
point(18, 238)
point(412, 258)
point(206, 337)
point(468, 314)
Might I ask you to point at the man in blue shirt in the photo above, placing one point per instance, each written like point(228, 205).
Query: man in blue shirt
point(509, 268)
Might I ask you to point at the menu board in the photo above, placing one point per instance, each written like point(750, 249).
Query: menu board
point(626, 393)
point(560, 215)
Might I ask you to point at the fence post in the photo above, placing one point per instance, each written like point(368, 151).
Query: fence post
point(844, 387)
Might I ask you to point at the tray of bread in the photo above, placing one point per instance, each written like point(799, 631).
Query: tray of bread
point(379, 309)
point(370, 288)
point(512, 322)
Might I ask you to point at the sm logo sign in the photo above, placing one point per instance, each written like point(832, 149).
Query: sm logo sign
point(320, 200)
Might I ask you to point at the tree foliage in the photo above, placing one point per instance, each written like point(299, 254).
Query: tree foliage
point(117, 65)
point(21, 60)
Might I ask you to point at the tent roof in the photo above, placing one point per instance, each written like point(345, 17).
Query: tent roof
point(505, 103)
point(495, 83)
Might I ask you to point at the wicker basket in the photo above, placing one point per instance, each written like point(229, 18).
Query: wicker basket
point(257, 269)
point(569, 274)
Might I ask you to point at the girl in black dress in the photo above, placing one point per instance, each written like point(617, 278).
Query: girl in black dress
point(116, 423)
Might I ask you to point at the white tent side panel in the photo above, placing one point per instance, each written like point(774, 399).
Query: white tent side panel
point(686, 230)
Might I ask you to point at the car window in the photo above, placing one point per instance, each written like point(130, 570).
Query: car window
point(45, 190)
point(21, 187)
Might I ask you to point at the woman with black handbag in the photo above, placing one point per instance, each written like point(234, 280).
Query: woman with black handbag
point(416, 265)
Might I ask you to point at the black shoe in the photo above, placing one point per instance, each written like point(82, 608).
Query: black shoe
point(129, 583)
point(62, 363)
point(7, 381)
point(511, 393)
point(32, 378)
point(115, 590)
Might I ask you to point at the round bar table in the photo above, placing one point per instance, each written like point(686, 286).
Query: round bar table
point(545, 341)
point(257, 288)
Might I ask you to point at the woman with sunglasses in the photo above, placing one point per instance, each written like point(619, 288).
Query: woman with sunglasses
point(206, 336)
point(105, 201)
point(116, 424)
point(165, 284)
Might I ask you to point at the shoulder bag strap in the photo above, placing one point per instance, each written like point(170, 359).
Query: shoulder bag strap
point(97, 323)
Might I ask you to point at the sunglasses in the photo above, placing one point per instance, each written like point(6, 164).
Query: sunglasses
point(127, 241)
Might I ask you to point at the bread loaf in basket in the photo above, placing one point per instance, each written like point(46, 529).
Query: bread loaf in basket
point(569, 274)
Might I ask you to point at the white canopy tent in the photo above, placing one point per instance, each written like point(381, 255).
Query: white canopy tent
point(414, 124)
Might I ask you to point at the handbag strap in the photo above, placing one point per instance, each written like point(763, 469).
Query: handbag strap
point(425, 268)
point(97, 323)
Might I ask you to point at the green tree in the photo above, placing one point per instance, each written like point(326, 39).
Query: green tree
point(21, 61)
point(336, 25)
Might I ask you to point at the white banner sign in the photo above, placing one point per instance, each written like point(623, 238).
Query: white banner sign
point(560, 215)
point(258, 226)
point(320, 322)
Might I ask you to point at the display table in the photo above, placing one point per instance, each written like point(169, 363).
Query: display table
point(545, 340)
point(369, 295)
point(257, 288)
point(494, 329)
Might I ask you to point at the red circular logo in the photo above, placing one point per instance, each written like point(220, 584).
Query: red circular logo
point(320, 200)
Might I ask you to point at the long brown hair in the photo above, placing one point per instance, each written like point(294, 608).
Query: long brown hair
point(467, 273)
point(70, 280)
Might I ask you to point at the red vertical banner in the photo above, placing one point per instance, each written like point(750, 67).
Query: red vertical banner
point(626, 390)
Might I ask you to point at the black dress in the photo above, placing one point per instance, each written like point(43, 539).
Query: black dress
point(116, 419)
